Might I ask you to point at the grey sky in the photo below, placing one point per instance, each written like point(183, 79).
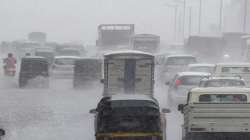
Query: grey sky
point(77, 20)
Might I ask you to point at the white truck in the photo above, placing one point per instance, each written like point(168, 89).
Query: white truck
point(221, 113)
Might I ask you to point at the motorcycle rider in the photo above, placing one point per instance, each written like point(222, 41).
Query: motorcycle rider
point(10, 64)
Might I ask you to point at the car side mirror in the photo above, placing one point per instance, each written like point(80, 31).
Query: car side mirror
point(165, 110)
point(2, 132)
point(167, 83)
point(102, 81)
point(93, 111)
point(181, 108)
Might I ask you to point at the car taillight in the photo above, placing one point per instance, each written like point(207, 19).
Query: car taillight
point(177, 83)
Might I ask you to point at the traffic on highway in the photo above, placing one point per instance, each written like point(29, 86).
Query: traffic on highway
point(128, 85)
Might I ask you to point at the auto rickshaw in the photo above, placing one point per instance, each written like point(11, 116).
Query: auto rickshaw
point(87, 71)
point(129, 72)
point(34, 72)
point(129, 117)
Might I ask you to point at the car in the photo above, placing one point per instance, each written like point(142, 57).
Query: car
point(233, 69)
point(222, 82)
point(199, 67)
point(181, 84)
point(175, 64)
point(63, 66)
point(34, 72)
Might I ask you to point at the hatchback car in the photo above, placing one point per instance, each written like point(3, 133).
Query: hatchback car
point(63, 66)
point(181, 84)
point(222, 82)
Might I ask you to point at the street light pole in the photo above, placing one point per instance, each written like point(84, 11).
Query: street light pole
point(245, 16)
point(175, 20)
point(184, 17)
point(200, 10)
point(221, 15)
point(190, 21)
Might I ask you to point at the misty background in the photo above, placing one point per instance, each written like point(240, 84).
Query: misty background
point(77, 20)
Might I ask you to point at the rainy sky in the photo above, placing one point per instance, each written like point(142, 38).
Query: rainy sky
point(77, 20)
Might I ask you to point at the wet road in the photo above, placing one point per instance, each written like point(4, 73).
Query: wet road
point(60, 113)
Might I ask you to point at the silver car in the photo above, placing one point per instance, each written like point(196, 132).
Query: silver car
point(181, 84)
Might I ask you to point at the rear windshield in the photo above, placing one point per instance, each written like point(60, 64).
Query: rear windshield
point(202, 69)
point(191, 80)
point(223, 98)
point(180, 60)
point(224, 83)
point(65, 61)
point(69, 53)
point(34, 66)
point(236, 69)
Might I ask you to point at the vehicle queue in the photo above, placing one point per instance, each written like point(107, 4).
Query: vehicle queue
point(128, 78)
point(128, 109)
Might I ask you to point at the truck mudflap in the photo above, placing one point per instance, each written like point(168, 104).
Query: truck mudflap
point(130, 136)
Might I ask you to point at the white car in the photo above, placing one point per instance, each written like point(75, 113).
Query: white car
point(181, 84)
point(63, 66)
point(209, 68)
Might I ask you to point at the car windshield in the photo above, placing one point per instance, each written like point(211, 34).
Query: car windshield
point(129, 119)
point(180, 60)
point(69, 53)
point(65, 61)
point(236, 69)
point(224, 83)
point(223, 98)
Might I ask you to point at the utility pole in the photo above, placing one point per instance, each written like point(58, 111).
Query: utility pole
point(245, 16)
point(200, 14)
point(190, 22)
point(175, 19)
point(184, 18)
point(221, 15)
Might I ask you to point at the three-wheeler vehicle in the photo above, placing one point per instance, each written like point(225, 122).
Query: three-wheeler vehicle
point(129, 72)
point(34, 72)
point(129, 117)
point(87, 72)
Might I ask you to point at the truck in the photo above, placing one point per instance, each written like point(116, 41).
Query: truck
point(216, 113)
point(235, 45)
point(146, 42)
point(203, 46)
point(114, 36)
point(229, 46)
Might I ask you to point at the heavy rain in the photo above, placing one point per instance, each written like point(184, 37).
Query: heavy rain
point(125, 69)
